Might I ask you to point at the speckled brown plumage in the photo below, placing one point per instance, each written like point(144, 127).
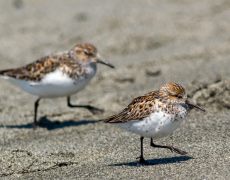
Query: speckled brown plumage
point(155, 115)
point(58, 75)
point(69, 62)
point(141, 107)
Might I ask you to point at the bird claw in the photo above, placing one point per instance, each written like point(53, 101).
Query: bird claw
point(178, 151)
point(142, 161)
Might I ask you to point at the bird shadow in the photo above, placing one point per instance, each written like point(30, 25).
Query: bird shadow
point(154, 162)
point(44, 122)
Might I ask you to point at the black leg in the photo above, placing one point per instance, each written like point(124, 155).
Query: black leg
point(36, 104)
point(141, 158)
point(92, 109)
point(171, 148)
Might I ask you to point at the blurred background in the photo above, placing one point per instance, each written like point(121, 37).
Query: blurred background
point(150, 42)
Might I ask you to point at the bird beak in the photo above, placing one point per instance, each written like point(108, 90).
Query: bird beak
point(191, 105)
point(100, 61)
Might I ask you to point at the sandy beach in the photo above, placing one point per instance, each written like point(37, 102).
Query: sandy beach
point(150, 42)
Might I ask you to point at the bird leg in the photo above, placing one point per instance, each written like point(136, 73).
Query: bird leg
point(171, 148)
point(141, 157)
point(36, 104)
point(92, 109)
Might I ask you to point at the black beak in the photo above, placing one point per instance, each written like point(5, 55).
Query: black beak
point(105, 63)
point(192, 106)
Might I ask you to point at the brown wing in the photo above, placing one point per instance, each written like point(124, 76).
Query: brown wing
point(139, 108)
point(36, 71)
point(33, 71)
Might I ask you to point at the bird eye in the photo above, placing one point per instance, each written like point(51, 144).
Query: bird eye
point(86, 52)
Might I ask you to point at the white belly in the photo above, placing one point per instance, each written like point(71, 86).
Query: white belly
point(55, 84)
point(157, 125)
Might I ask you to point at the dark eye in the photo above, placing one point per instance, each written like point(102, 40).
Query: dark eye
point(86, 52)
point(179, 96)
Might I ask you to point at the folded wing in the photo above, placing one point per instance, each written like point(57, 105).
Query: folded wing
point(138, 109)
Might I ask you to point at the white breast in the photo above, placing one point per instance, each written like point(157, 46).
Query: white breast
point(56, 84)
point(157, 125)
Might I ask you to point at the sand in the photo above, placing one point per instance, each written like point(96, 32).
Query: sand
point(150, 43)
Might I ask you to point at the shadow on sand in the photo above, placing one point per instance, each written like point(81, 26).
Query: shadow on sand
point(159, 161)
point(44, 122)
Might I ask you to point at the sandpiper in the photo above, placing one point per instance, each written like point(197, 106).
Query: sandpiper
point(155, 115)
point(58, 75)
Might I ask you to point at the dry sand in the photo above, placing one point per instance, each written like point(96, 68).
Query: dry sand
point(150, 42)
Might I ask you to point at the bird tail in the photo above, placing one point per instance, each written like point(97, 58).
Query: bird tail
point(109, 119)
point(5, 73)
point(117, 118)
point(2, 72)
